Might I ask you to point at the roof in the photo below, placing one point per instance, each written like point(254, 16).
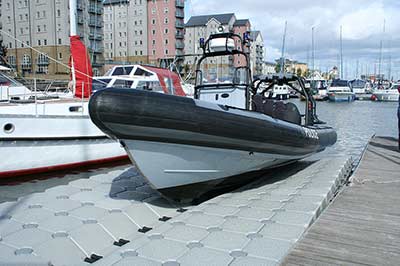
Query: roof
point(241, 22)
point(254, 34)
point(203, 20)
point(113, 2)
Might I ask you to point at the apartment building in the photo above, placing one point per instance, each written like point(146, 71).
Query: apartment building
point(199, 27)
point(256, 53)
point(143, 31)
point(202, 26)
point(125, 31)
point(44, 25)
point(166, 31)
point(293, 66)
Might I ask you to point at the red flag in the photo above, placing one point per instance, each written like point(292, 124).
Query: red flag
point(82, 68)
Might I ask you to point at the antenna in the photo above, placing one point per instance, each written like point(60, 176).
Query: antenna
point(341, 53)
point(358, 62)
point(283, 49)
point(390, 62)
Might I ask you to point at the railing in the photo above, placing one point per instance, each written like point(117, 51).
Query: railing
point(179, 14)
point(179, 35)
point(95, 23)
point(180, 3)
point(179, 45)
point(179, 25)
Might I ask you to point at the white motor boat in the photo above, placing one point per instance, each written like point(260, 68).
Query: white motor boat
point(387, 95)
point(361, 88)
point(46, 132)
point(340, 91)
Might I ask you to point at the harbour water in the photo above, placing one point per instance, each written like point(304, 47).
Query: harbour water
point(357, 122)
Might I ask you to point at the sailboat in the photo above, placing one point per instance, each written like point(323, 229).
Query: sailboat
point(186, 148)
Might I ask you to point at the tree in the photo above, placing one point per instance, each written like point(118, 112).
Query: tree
point(3, 54)
point(278, 67)
point(299, 72)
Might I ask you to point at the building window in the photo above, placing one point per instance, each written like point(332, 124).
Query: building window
point(166, 31)
point(166, 10)
point(166, 21)
point(166, 51)
point(11, 60)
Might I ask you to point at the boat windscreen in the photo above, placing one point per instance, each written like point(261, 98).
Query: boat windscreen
point(98, 84)
point(8, 81)
point(119, 71)
point(219, 70)
point(339, 83)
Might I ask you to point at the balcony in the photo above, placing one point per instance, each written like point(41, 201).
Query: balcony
point(179, 53)
point(98, 63)
point(179, 35)
point(43, 62)
point(95, 23)
point(91, 36)
point(179, 14)
point(180, 3)
point(92, 9)
point(98, 37)
point(80, 20)
point(179, 24)
point(179, 45)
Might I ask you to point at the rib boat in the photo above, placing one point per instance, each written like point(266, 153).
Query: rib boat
point(231, 130)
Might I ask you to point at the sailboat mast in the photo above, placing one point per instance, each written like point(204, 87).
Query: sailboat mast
point(283, 49)
point(312, 50)
point(73, 14)
point(380, 49)
point(341, 53)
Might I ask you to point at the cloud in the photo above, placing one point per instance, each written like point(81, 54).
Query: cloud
point(362, 23)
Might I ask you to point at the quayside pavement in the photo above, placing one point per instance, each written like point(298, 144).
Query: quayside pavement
point(362, 225)
point(115, 218)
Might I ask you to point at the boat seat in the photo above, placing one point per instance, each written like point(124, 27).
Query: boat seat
point(277, 109)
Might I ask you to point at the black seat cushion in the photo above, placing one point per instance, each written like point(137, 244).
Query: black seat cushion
point(277, 109)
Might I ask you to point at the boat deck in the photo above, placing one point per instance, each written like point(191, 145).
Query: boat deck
point(361, 227)
point(115, 218)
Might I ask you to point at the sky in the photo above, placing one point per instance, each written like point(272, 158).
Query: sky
point(362, 24)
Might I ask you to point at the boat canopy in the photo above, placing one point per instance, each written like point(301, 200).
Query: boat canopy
point(141, 77)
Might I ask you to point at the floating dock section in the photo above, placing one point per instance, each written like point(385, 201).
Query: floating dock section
point(362, 225)
point(117, 219)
